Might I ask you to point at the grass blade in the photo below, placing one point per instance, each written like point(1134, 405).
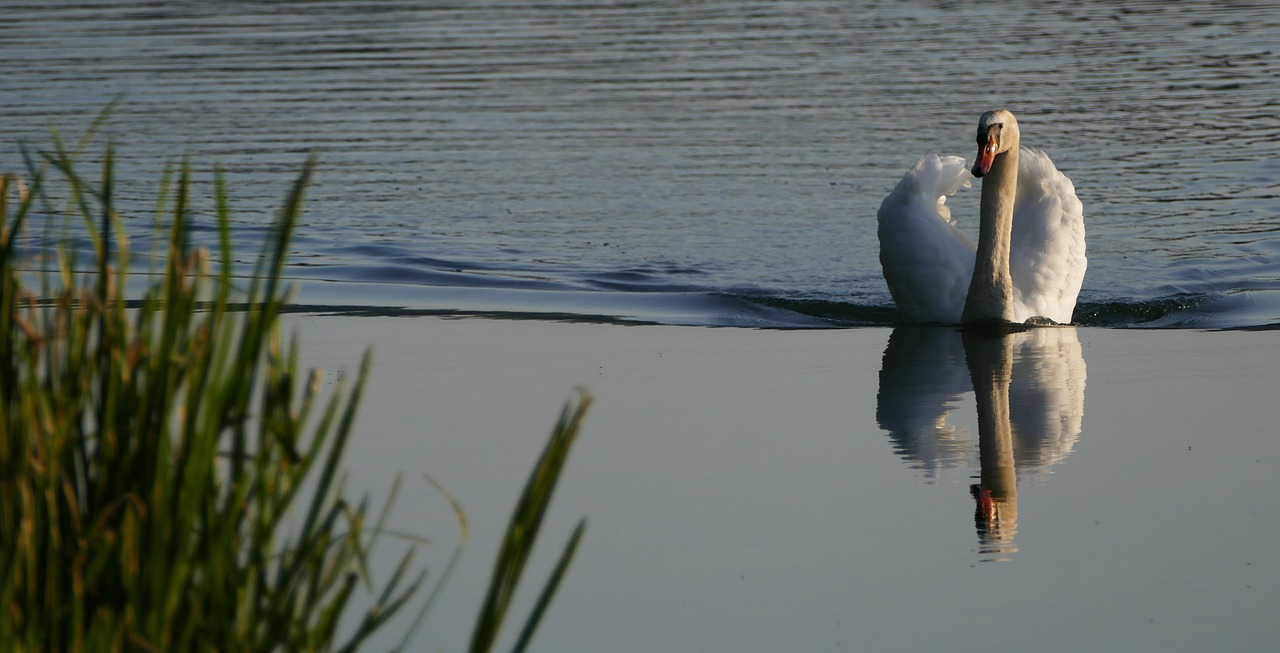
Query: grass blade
point(522, 531)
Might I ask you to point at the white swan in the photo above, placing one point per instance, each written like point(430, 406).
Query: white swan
point(1029, 261)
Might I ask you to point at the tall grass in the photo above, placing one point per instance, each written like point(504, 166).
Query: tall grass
point(169, 478)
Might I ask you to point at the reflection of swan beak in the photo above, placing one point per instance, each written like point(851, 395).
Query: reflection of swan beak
point(985, 512)
point(995, 515)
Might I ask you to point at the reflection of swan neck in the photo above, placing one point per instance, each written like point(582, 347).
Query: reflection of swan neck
point(990, 359)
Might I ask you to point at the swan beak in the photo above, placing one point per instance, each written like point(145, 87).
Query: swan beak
point(986, 156)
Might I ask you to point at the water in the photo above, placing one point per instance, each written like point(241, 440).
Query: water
point(711, 163)
point(812, 490)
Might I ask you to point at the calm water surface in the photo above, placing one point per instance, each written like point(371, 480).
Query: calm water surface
point(674, 162)
point(813, 490)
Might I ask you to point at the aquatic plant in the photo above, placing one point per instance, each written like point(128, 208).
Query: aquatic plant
point(169, 478)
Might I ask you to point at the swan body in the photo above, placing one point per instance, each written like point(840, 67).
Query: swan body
point(1029, 261)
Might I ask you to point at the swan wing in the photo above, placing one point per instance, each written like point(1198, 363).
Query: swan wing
point(927, 262)
point(1046, 257)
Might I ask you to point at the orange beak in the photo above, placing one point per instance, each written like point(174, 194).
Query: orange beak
point(986, 156)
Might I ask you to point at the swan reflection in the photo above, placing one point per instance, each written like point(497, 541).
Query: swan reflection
point(1028, 387)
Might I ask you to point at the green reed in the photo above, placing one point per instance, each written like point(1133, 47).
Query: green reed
point(169, 478)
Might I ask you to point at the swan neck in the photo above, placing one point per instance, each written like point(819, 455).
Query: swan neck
point(991, 289)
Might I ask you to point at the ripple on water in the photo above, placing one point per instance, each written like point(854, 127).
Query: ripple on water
point(677, 148)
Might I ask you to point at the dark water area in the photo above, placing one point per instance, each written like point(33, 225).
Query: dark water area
point(710, 163)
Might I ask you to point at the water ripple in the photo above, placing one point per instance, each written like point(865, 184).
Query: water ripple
point(718, 148)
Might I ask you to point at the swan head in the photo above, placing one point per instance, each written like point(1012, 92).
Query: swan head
point(997, 134)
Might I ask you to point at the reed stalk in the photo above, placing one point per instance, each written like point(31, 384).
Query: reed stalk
point(170, 479)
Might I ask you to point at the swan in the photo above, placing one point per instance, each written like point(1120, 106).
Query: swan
point(1029, 262)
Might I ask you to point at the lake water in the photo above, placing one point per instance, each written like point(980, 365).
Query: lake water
point(678, 165)
point(674, 162)
point(812, 490)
